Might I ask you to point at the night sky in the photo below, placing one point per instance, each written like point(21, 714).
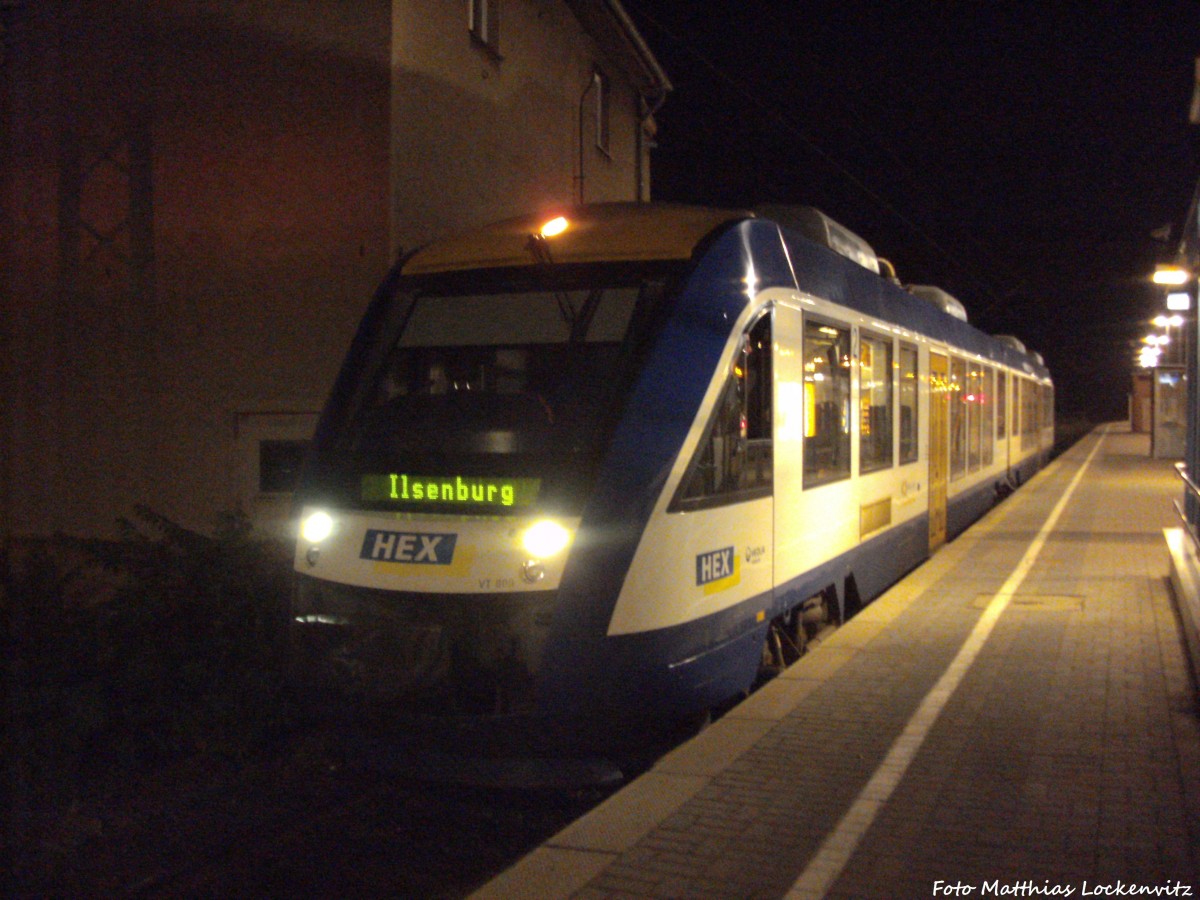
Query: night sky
point(1019, 155)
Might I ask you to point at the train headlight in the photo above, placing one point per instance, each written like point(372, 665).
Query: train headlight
point(316, 527)
point(545, 539)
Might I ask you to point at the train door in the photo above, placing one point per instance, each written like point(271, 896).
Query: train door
point(939, 442)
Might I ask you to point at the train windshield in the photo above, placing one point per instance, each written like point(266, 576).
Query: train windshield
point(498, 345)
point(513, 373)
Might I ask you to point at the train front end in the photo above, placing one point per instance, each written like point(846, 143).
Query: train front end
point(450, 479)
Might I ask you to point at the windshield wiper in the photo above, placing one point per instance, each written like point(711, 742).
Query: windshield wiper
point(540, 248)
point(584, 320)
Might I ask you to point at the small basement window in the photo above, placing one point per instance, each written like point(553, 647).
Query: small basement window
point(279, 463)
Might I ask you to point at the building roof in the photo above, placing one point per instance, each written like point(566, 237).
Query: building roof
point(608, 23)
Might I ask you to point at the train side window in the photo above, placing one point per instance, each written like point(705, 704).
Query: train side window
point(1029, 415)
point(1002, 406)
point(875, 403)
point(909, 383)
point(826, 403)
point(958, 418)
point(734, 459)
point(987, 407)
point(974, 399)
point(1018, 408)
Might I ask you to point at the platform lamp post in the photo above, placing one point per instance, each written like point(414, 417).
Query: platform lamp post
point(1181, 301)
point(1166, 323)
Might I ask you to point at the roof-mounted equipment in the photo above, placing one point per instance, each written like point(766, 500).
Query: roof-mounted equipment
point(1012, 342)
point(820, 229)
point(947, 303)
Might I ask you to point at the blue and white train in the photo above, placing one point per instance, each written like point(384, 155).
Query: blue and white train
point(586, 473)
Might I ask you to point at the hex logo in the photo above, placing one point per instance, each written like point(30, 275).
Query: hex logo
point(717, 570)
point(408, 547)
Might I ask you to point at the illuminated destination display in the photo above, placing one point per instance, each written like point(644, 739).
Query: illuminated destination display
point(464, 490)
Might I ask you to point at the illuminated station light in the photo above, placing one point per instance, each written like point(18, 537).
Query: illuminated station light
point(1171, 275)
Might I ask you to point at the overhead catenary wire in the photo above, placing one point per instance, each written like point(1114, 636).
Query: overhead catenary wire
point(992, 296)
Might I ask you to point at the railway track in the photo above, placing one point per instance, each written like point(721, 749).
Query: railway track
point(386, 842)
point(355, 831)
point(320, 816)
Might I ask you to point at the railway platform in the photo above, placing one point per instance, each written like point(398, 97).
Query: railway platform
point(1016, 718)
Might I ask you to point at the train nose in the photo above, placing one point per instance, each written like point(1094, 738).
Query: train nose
point(441, 655)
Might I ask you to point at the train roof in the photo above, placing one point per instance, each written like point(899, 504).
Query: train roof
point(603, 232)
point(647, 232)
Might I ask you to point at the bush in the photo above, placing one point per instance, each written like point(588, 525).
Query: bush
point(53, 686)
point(123, 654)
point(200, 625)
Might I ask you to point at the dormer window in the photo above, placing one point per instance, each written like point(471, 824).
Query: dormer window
point(484, 22)
point(601, 87)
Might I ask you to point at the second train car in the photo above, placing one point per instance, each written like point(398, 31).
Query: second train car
point(584, 474)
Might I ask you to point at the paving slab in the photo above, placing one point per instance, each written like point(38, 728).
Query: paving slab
point(1015, 718)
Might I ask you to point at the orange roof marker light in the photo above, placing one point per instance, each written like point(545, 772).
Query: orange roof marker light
point(554, 227)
